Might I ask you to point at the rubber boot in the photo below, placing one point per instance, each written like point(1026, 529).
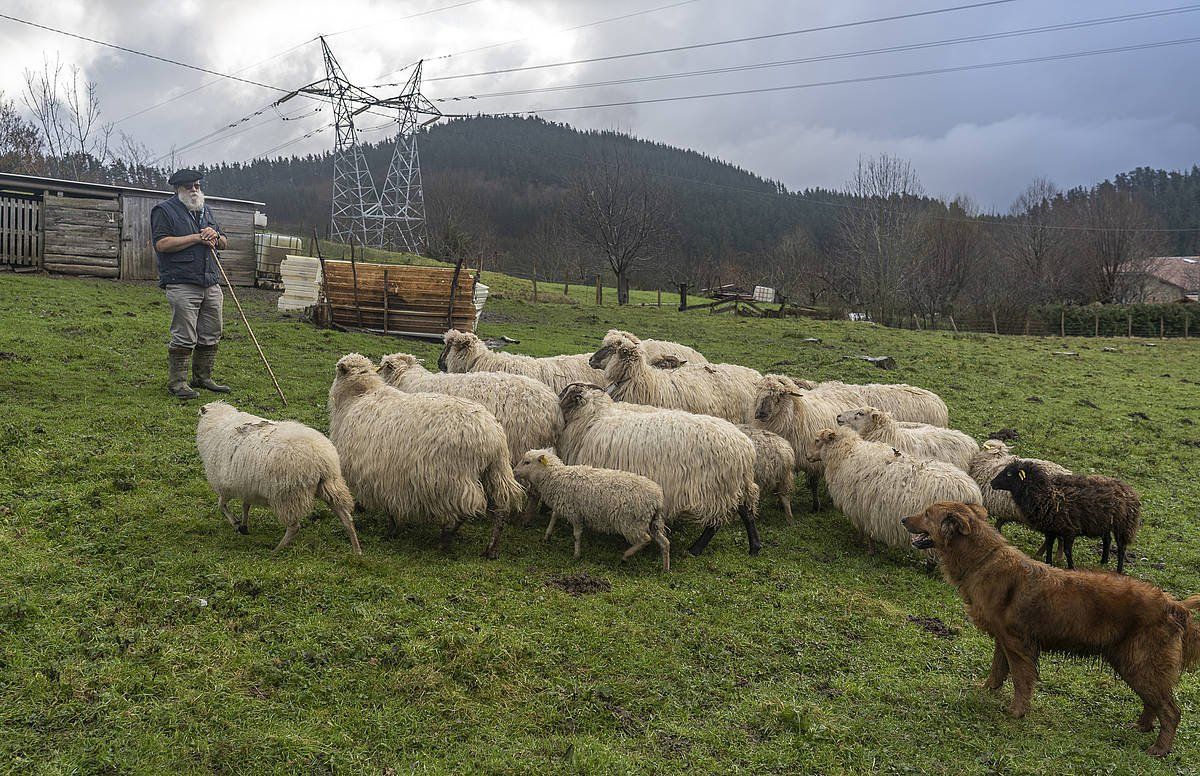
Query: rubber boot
point(177, 373)
point(203, 358)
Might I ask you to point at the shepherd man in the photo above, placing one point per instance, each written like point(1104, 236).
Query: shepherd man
point(185, 236)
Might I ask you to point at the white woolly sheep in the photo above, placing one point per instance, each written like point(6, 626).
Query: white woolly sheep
point(919, 440)
point(990, 461)
point(661, 354)
point(604, 500)
point(282, 465)
point(774, 466)
point(721, 390)
point(465, 352)
point(797, 414)
point(905, 403)
point(704, 465)
point(420, 456)
point(526, 408)
point(875, 485)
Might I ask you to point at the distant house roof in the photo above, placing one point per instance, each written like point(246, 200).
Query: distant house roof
point(1180, 271)
point(8, 179)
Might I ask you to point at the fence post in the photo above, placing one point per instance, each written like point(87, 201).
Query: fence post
point(1187, 318)
point(386, 311)
point(534, 281)
point(683, 297)
point(917, 321)
point(953, 325)
point(660, 297)
point(1026, 323)
point(1097, 315)
point(1062, 322)
point(599, 292)
point(1128, 323)
point(566, 288)
point(995, 326)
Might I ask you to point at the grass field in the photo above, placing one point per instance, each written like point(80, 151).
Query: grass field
point(140, 633)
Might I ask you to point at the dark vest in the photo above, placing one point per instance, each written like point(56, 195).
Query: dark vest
point(194, 264)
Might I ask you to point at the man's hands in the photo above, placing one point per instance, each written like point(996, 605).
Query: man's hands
point(209, 236)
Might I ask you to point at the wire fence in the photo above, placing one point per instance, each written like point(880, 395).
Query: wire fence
point(1137, 320)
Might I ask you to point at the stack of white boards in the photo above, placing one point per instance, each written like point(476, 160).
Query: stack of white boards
point(481, 294)
point(301, 277)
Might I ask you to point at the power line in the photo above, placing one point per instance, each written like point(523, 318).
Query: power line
point(729, 41)
point(845, 55)
point(868, 79)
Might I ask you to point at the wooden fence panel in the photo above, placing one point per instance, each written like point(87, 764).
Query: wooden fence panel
point(20, 232)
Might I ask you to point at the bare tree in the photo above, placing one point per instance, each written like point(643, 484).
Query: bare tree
point(617, 211)
point(797, 268)
point(66, 110)
point(955, 245)
point(881, 233)
point(1117, 244)
point(20, 144)
point(1037, 246)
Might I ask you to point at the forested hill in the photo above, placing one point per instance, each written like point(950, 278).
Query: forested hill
point(500, 176)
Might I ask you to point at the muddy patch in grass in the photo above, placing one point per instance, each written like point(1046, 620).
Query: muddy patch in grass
point(935, 626)
point(579, 584)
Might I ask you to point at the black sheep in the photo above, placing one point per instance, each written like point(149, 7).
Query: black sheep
point(1070, 505)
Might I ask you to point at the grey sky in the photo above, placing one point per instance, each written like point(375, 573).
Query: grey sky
point(984, 133)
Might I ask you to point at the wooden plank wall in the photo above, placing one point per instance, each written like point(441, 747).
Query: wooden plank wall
point(20, 232)
point(138, 261)
point(81, 236)
point(237, 222)
point(417, 298)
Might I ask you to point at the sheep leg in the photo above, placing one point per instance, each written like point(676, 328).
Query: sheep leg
point(578, 542)
point(446, 538)
point(493, 548)
point(1047, 549)
point(1120, 555)
point(702, 541)
point(244, 528)
point(751, 529)
point(635, 548)
point(1068, 543)
point(347, 518)
point(293, 528)
point(223, 508)
point(664, 544)
point(814, 484)
point(531, 510)
point(1104, 548)
point(550, 528)
point(785, 501)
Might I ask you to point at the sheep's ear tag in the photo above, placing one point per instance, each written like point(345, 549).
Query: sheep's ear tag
point(543, 460)
point(1021, 473)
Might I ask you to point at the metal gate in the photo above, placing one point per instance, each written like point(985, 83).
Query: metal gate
point(20, 232)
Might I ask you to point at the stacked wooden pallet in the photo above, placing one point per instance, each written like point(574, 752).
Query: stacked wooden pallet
point(301, 276)
point(81, 236)
point(400, 299)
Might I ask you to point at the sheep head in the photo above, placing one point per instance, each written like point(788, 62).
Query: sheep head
point(578, 396)
point(861, 420)
point(457, 343)
point(216, 409)
point(774, 396)
point(608, 345)
point(668, 362)
point(995, 448)
point(392, 368)
point(1016, 476)
point(535, 462)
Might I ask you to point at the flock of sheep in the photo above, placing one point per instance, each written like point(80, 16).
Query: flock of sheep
point(629, 440)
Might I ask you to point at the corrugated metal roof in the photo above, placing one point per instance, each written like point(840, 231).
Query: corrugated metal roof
point(36, 182)
point(1181, 271)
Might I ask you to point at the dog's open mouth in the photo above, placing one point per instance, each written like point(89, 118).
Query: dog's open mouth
point(921, 541)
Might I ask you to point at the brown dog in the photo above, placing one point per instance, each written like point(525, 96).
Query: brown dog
point(1146, 635)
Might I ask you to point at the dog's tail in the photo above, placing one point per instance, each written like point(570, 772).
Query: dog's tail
point(1191, 633)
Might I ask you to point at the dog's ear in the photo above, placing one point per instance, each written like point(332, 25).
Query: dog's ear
point(955, 521)
point(978, 511)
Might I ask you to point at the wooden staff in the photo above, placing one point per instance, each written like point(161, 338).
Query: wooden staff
point(229, 285)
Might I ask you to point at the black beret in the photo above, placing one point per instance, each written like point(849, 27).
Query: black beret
point(182, 177)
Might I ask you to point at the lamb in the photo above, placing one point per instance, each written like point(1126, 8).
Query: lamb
point(661, 354)
point(704, 465)
point(774, 466)
point(797, 414)
point(721, 390)
point(420, 456)
point(1070, 505)
point(605, 500)
point(919, 440)
point(465, 352)
point(526, 408)
point(875, 485)
point(282, 465)
point(989, 462)
point(906, 403)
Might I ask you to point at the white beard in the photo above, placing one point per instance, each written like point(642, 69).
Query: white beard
point(192, 200)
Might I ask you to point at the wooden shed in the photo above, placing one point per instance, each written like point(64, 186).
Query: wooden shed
point(81, 228)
